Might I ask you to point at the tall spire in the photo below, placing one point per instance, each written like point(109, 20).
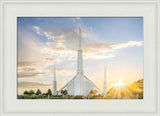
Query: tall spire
point(80, 61)
point(104, 82)
point(80, 46)
point(54, 83)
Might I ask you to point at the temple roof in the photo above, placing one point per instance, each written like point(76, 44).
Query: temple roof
point(85, 78)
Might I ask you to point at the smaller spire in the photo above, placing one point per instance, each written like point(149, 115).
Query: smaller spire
point(54, 82)
point(104, 82)
point(104, 72)
point(54, 73)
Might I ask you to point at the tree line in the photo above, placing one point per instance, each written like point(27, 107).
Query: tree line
point(64, 95)
point(38, 92)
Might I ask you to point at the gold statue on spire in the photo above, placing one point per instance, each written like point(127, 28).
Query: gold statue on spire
point(80, 30)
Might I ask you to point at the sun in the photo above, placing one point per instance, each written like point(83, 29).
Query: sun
point(119, 83)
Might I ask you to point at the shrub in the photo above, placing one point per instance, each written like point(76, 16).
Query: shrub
point(78, 97)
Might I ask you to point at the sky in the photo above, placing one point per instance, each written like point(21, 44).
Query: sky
point(43, 42)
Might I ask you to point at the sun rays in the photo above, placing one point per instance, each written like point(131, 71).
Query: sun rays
point(119, 84)
point(122, 90)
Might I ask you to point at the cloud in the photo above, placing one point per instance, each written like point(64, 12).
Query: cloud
point(34, 69)
point(37, 30)
point(62, 71)
point(91, 50)
point(66, 42)
point(44, 62)
point(110, 46)
point(25, 63)
point(30, 85)
point(49, 35)
point(41, 32)
point(34, 56)
point(29, 47)
point(59, 37)
point(127, 44)
point(29, 75)
point(65, 72)
point(106, 50)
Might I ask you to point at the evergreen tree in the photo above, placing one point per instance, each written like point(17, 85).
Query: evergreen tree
point(64, 92)
point(49, 92)
point(38, 92)
point(31, 92)
point(26, 92)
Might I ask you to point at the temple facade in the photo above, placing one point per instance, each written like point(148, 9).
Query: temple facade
point(80, 84)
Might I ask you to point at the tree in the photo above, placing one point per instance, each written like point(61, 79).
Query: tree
point(38, 92)
point(92, 93)
point(99, 95)
point(31, 92)
point(49, 92)
point(26, 92)
point(95, 92)
point(64, 92)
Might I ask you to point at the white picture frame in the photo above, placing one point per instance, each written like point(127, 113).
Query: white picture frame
point(148, 9)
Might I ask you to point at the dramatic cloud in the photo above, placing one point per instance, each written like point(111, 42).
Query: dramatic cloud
point(35, 56)
point(110, 46)
point(62, 71)
point(92, 50)
point(30, 85)
point(106, 50)
point(25, 63)
point(66, 42)
point(33, 69)
point(38, 63)
point(29, 75)
point(29, 47)
point(127, 44)
point(37, 30)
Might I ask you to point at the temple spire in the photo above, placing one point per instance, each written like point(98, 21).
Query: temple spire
point(54, 83)
point(80, 60)
point(104, 82)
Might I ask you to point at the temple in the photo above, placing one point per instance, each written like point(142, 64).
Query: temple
point(80, 84)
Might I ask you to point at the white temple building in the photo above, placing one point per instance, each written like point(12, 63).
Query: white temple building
point(80, 84)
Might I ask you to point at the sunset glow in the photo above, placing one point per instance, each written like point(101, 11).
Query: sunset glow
point(119, 84)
